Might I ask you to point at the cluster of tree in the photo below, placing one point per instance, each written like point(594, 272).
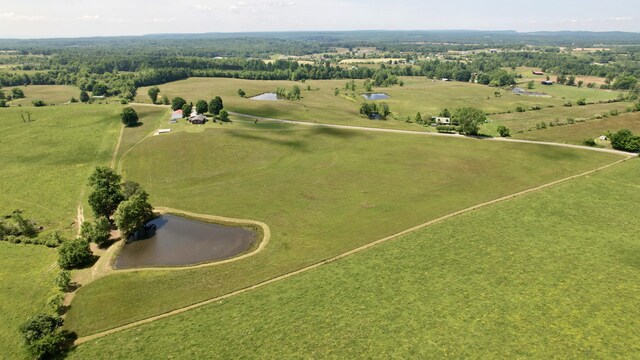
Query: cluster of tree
point(625, 140)
point(371, 109)
point(44, 338)
point(293, 94)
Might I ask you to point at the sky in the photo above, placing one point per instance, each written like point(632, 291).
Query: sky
point(78, 18)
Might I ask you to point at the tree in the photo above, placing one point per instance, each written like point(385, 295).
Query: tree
point(84, 96)
point(177, 103)
point(132, 214)
point(98, 232)
point(445, 113)
point(625, 83)
point(571, 81)
point(186, 110)
point(63, 279)
point(129, 117)
point(153, 93)
point(17, 93)
point(418, 118)
point(38, 103)
point(74, 254)
point(165, 100)
point(130, 188)
point(241, 93)
point(224, 115)
point(295, 92)
point(201, 107)
point(530, 85)
point(580, 83)
point(625, 140)
point(43, 338)
point(383, 109)
point(215, 105)
point(100, 89)
point(107, 193)
point(503, 131)
point(470, 119)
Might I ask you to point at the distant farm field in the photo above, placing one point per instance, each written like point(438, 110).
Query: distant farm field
point(26, 275)
point(321, 105)
point(524, 121)
point(578, 133)
point(50, 94)
point(322, 192)
point(554, 274)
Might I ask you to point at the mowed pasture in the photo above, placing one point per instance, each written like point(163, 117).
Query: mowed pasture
point(553, 274)
point(26, 275)
point(578, 133)
point(322, 192)
point(50, 94)
point(321, 105)
point(46, 162)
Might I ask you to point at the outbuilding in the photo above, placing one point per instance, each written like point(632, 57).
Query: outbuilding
point(547, 82)
point(198, 119)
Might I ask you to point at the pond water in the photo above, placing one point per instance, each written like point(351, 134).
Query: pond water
point(179, 241)
point(266, 97)
point(375, 96)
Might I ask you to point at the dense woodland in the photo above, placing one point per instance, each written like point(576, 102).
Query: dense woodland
point(118, 66)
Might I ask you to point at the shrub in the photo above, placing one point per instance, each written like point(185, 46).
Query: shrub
point(568, 104)
point(520, 109)
point(38, 103)
point(581, 102)
point(63, 279)
point(625, 140)
point(56, 302)
point(613, 112)
point(446, 129)
point(74, 254)
point(589, 142)
point(503, 131)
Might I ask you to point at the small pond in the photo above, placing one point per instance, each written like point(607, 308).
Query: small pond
point(179, 241)
point(266, 97)
point(375, 96)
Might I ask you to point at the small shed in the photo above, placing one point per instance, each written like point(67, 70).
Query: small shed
point(547, 82)
point(537, 73)
point(175, 116)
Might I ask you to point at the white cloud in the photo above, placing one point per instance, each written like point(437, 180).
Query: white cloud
point(88, 17)
point(620, 18)
point(203, 7)
point(16, 17)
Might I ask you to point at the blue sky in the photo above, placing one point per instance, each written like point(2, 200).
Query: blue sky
point(54, 18)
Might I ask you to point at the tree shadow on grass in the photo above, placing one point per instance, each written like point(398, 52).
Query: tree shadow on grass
point(292, 144)
point(138, 124)
point(335, 132)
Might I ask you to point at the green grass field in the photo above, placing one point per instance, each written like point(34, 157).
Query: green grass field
point(52, 157)
point(51, 94)
point(26, 275)
point(47, 162)
point(527, 120)
point(321, 191)
point(422, 95)
point(578, 133)
point(554, 274)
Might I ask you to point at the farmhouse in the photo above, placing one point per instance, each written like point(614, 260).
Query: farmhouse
point(439, 120)
point(198, 119)
point(547, 82)
point(537, 73)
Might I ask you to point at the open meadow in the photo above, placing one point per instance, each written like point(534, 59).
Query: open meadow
point(553, 274)
point(50, 94)
point(579, 132)
point(26, 275)
point(429, 97)
point(322, 192)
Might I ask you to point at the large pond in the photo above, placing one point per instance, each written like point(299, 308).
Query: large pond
point(179, 241)
point(375, 96)
point(266, 97)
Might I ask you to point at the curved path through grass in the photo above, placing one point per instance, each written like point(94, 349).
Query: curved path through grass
point(338, 257)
